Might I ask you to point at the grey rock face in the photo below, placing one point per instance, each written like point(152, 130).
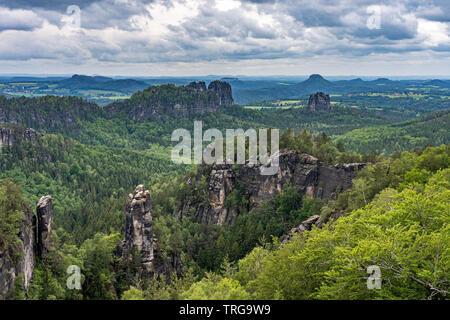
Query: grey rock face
point(302, 227)
point(200, 85)
point(12, 267)
point(9, 136)
point(319, 101)
point(180, 102)
point(139, 235)
point(138, 226)
point(44, 213)
point(223, 90)
point(309, 175)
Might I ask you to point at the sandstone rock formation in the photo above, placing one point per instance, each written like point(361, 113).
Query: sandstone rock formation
point(34, 236)
point(139, 235)
point(138, 226)
point(223, 90)
point(13, 267)
point(9, 136)
point(200, 85)
point(308, 174)
point(44, 213)
point(181, 102)
point(319, 101)
point(302, 227)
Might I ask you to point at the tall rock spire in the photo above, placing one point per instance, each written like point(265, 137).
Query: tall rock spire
point(44, 225)
point(138, 226)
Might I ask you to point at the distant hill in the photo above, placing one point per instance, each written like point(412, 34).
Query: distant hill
point(438, 83)
point(81, 82)
point(245, 94)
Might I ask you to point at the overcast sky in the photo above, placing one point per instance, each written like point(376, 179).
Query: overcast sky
point(227, 37)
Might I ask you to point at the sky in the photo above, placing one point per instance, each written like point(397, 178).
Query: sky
point(225, 37)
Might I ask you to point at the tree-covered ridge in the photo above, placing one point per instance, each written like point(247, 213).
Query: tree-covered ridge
point(404, 231)
point(56, 114)
point(123, 126)
point(430, 129)
point(179, 102)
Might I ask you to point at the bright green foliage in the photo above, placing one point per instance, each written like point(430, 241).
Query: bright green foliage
point(214, 287)
point(50, 276)
point(395, 215)
point(387, 139)
point(98, 258)
point(88, 184)
point(12, 212)
point(133, 294)
point(406, 234)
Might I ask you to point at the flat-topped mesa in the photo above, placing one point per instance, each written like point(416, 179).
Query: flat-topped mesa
point(9, 136)
point(44, 214)
point(319, 101)
point(138, 226)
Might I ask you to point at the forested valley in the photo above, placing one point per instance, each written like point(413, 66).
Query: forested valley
point(389, 205)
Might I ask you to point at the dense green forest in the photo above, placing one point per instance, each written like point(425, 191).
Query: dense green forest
point(431, 129)
point(395, 215)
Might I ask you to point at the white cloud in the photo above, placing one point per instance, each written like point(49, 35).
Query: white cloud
point(433, 33)
point(222, 33)
point(19, 19)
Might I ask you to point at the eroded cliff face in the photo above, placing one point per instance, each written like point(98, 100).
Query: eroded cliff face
point(305, 225)
point(44, 213)
point(138, 226)
point(319, 101)
point(20, 264)
point(34, 241)
point(139, 235)
point(308, 174)
point(180, 102)
point(9, 136)
point(223, 91)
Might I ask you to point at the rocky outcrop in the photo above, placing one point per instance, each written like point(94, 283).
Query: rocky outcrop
point(138, 226)
point(309, 175)
point(180, 102)
point(139, 235)
point(302, 227)
point(223, 91)
point(9, 136)
point(34, 236)
point(199, 85)
point(18, 265)
point(44, 213)
point(319, 101)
